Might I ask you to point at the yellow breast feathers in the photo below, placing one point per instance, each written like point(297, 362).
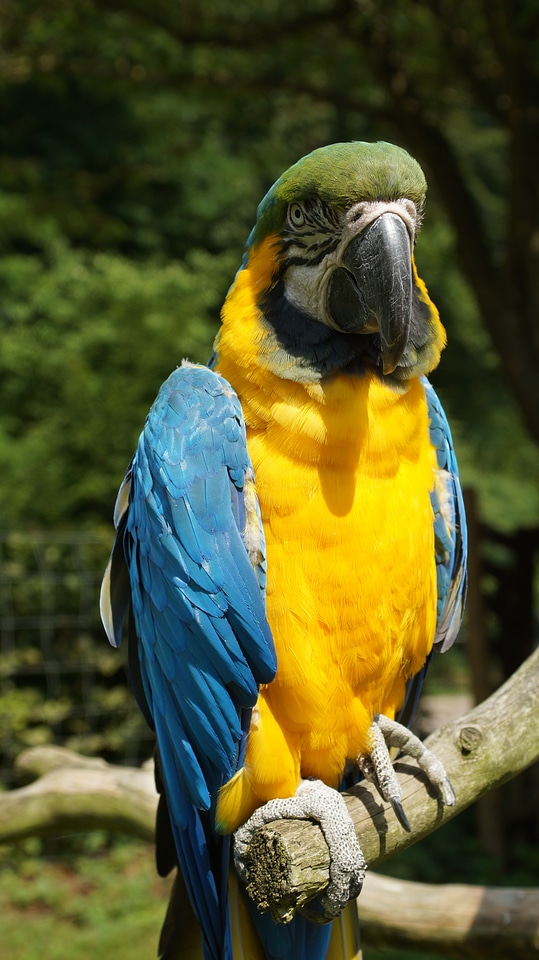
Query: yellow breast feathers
point(344, 468)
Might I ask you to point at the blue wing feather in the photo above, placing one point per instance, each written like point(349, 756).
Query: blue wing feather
point(450, 545)
point(204, 644)
point(450, 536)
point(194, 549)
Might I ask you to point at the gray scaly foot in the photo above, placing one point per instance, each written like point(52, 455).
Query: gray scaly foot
point(377, 767)
point(314, 800)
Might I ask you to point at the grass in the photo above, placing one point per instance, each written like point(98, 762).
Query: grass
point(90, 897)
point(106, 904)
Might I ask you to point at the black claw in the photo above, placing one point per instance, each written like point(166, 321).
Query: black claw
point(400, 814)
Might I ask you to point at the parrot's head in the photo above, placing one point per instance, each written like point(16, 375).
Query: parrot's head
point(332, 252)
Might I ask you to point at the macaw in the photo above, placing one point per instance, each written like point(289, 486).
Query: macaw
point(291, 541)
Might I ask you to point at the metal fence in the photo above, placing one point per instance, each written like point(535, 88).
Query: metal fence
point(60, 682)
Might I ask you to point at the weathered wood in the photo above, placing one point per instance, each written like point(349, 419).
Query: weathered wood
point(75, 793)
point(451, 920)
point(491, 744)
point(454, 920)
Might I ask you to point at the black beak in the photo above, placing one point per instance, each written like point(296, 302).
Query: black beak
point(372, 291)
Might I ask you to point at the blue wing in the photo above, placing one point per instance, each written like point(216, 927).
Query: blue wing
point(451, 543)
point(189, 557)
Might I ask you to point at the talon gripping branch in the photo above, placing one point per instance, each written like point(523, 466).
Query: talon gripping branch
point(291, 543)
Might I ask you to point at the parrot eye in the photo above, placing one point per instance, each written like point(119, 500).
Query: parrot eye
point(296, 215)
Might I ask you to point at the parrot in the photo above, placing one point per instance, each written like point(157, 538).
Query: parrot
point(290, 549)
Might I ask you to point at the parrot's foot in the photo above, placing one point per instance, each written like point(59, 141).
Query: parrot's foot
point(377, 767)
point(314, 800)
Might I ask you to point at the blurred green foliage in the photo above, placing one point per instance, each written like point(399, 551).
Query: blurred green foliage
point(66, 906)
point(104, 902)
point(60, 682)
point(87, 338)
point(134, 148)
point(105, 899)
point(136, 141)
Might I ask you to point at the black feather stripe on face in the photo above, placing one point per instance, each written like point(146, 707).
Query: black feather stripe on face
point(308, 351)
point(318, 235)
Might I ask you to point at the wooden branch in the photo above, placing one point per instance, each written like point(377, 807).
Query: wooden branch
point(75, 793)
point(489, 745)
point(288, 860)
point(454, 920)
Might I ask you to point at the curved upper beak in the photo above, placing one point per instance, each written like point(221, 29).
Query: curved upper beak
point(372, 291)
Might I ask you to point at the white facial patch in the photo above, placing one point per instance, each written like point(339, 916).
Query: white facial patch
point(306, 285)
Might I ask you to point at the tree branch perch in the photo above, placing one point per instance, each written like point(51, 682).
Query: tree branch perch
point(290, 860)
point(76, 793)
point(454, 920)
